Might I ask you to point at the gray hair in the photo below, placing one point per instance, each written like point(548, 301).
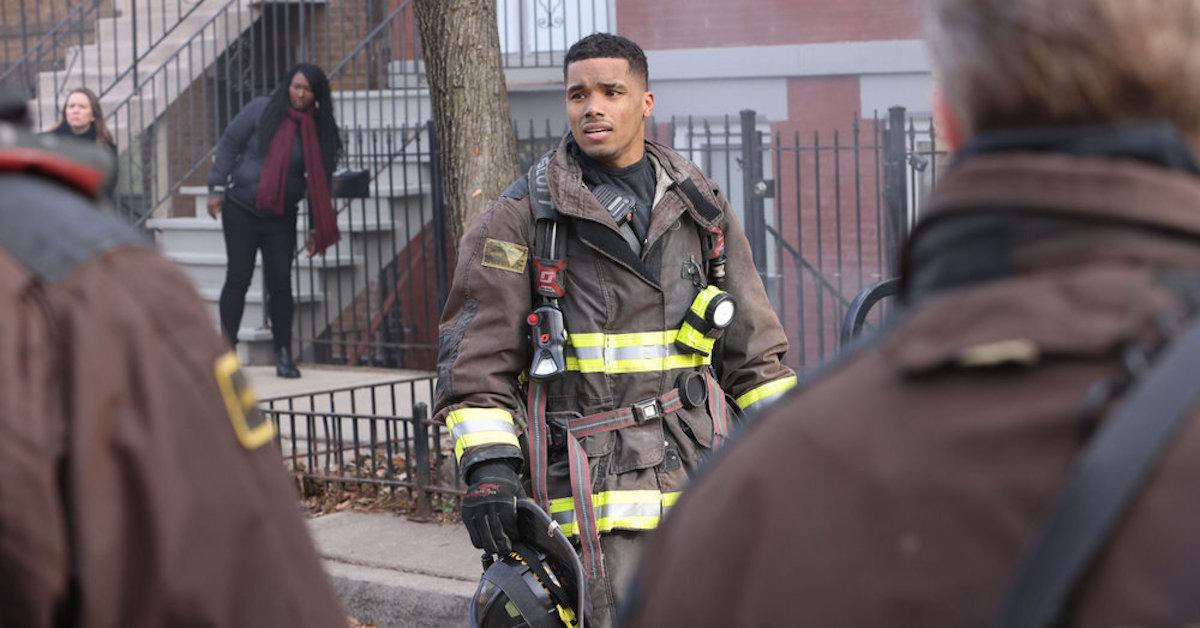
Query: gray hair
point(1036, 63)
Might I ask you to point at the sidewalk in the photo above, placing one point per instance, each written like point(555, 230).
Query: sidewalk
point(388, 571)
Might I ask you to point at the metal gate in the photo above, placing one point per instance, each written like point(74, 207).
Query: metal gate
point(825, 211)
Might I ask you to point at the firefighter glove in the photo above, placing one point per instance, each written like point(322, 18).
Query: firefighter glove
point(489, 509)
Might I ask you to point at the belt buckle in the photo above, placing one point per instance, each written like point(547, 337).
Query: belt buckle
point(646, 409)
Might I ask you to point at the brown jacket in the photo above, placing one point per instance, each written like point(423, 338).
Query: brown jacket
point(899, 487)
point(126, 496)
point(621, 312)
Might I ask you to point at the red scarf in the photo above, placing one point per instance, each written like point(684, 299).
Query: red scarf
point(273, 180)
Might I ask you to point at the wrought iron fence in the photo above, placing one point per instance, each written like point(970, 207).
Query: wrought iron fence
point(377, 435)
point(169, 125)
point(824, 211)
point(102, 45)
point(171, 73)
point(373, 298)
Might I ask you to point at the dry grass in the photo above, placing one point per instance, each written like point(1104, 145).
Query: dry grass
point(321, 498)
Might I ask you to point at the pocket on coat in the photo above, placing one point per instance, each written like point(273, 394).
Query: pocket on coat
point(698, 424)
point(638, 447)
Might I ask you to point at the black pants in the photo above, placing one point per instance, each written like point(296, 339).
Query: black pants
point(246, 234)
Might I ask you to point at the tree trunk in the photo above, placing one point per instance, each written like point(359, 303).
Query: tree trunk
point(477, 149)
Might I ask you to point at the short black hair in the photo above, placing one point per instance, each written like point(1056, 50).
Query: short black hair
point(609, 46)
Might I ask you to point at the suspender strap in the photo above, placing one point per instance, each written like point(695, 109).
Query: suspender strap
point(581, 479)
point(549, 247)
point(1104, 479)
point(702, 204)
point(717, 409)
point(585, 515)
point(536, 408)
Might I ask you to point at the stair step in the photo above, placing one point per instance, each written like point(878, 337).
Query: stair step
point(207, 270)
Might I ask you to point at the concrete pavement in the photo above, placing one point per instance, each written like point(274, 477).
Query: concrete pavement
point(388, 570)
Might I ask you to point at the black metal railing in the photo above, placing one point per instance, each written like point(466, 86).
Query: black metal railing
point(378, 435)
point(103, 45)
point(36, 35)
point(824, 212)
point(168, 128)
point(371, 299)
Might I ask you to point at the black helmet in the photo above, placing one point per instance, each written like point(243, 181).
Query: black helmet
point(539, 583)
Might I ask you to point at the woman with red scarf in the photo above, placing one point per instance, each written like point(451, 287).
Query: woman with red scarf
point(275, 151)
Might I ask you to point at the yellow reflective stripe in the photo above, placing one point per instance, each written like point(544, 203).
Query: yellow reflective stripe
point(483, 438)
point(472, 414)
point(644, 338)
point(617, 510)
point(608, 524)
point(769, 389)
point(692, 337)
point(641, 365)
point(473, 427)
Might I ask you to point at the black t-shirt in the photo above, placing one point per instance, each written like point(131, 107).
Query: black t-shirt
point(635, 182)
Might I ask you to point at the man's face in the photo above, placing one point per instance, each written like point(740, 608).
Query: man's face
point(607, 107)
point(300, 93)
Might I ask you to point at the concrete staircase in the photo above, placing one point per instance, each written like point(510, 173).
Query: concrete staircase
point(325, 288)
point(195, 30)
point(180, 40)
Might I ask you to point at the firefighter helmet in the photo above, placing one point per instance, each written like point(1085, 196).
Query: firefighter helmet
point(539, 583)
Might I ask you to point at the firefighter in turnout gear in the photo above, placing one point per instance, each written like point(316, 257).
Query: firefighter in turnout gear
point(605, 328)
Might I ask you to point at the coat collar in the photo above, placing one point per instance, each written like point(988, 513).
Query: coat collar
point(993, 215)
point(1024, 254)
point(573, 198)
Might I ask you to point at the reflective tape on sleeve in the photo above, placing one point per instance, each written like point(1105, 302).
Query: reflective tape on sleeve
point(766, 391)
point(475, 427)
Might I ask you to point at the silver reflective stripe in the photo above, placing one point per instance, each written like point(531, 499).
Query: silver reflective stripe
point(614, 511)
point(586, 353)
point(612, 354)
point(472, 426)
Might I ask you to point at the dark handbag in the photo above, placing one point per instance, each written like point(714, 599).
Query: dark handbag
point(351, 184)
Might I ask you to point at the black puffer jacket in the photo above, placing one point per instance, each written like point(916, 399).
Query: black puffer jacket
point(90, 136)
point(238, 162)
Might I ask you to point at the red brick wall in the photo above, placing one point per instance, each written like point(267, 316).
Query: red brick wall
point(666, 24)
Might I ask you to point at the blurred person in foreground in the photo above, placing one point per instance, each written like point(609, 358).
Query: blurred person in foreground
point(903, 483)
point(139, 485)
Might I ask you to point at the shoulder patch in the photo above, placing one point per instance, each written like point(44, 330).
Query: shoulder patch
point(252, 427)
point(518, 190)
point(505, 256)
